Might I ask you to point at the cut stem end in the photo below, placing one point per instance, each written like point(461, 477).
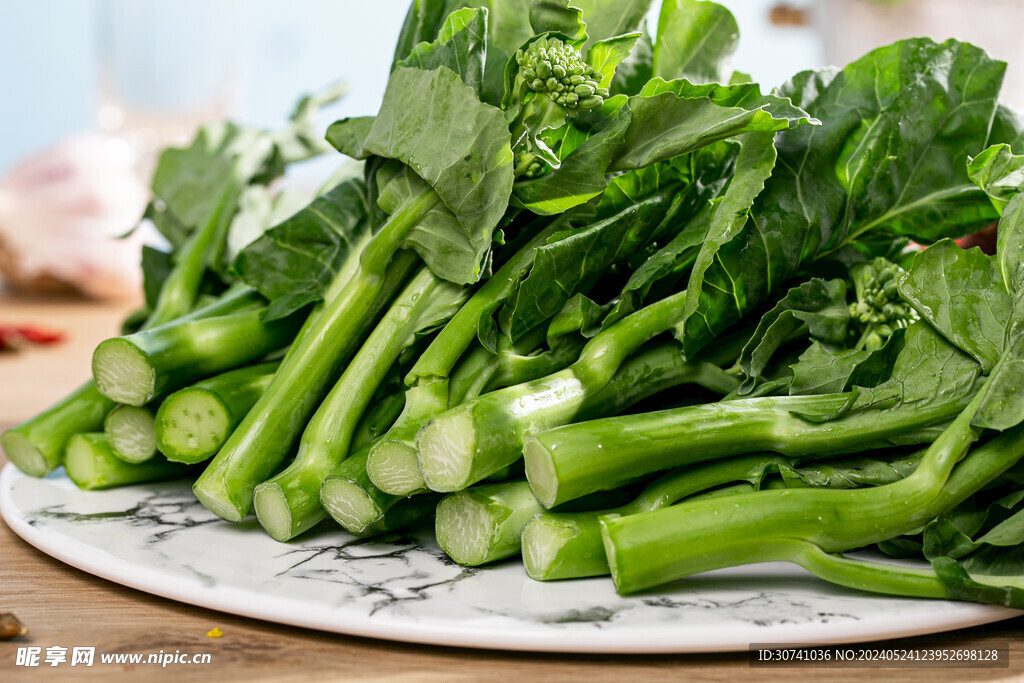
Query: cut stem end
point(123, 373)
point(348, 505)
point(20, 450)
point(446, 448)
point(273, 512)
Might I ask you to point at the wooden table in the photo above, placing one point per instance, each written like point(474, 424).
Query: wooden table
point(64, 606)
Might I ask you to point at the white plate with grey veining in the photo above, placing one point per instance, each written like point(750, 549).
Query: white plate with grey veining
point(158, 539)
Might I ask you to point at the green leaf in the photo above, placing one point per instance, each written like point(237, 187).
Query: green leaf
point(850, 473)
point(708, 171)
point(658, 270)
point(444, 303)
point(435, 124)
point(293, 263)
point(1002, 405)
point(303, 138)
point(608, 18)
point(581, 176)
point(825, 369)
point(156, 266)
point(817, 306)
point(976, 549)
point(739, 77)
point(260, 209)
point(508, 27)
point(944, 536)
point(348, 135)
point(669, 118)
point(960, 292)
point(1010, 245)
point(878, 366)
point(999, 172)
point(1009, 532)
point(637, 69)
point(665, 268)
point(167, 224)
point(754, 168)
point(422, 23)
point(627, 189)
point(664, 121)
point(192, 182)
point(1009, 592)
point(573, 261)
point(439, 232)
point(579, 315)
point(695, 41)
point(1007, 127)
point(558, 16)
point(890, 158)
point(461, 46)
point(606, 55)
point(928, 370)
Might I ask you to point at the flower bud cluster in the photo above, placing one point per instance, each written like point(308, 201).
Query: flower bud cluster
point(878, 305)
point(551, 67)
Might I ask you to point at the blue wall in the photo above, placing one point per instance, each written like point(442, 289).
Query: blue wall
point(47, 73)
point(171, 51)
point(51, 52)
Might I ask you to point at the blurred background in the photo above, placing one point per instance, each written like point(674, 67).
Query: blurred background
point(98, 86)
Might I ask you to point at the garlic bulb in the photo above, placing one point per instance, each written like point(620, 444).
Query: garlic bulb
point(61, 213)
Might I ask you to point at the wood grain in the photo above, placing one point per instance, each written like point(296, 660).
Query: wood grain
point(36, 377)
point(66, 607)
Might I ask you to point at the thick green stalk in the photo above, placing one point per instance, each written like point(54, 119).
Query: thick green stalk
point(440, 358)
point(91, 464)
point(472, 374)
point(982, 466)
point(405, 513)
point(485, 523)
point(645, 374)
point(477, 438)
point(351, 499)
point(137, 368)
point(480, 370)
point(572, 461)
point(567, 545)
point(178, 293)
point(653, 548)
point(876, 577)
point(36, 446)
point(510, 369)
point(378, 418)
point(193, 423)
point(265, 437)
point(289, 503)
point(131, 432)
point(392, 463)
point(348, 270)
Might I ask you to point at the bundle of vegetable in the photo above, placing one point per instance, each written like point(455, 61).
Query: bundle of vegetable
point(633, 316)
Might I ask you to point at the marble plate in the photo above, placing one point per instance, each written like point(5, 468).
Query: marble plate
point(158, 539)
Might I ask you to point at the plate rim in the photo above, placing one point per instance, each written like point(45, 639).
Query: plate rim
point(275, 609)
